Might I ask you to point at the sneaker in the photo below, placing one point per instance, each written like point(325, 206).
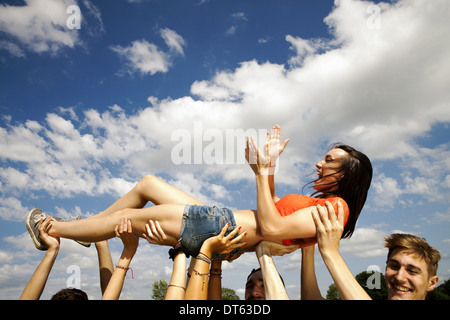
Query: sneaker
point(32, 223)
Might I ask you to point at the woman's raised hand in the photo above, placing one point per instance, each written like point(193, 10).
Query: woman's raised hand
point(265, 162)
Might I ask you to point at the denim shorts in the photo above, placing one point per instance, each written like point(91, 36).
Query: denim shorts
point(202, 222)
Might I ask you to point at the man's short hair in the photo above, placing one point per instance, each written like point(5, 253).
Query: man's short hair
point(417, 246)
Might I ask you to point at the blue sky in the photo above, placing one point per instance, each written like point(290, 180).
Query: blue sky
point(85, 113)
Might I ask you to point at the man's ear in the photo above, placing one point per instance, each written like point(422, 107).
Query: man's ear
point(432, 283)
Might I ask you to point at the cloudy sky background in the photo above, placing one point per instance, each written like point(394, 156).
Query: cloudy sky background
point(85, 113)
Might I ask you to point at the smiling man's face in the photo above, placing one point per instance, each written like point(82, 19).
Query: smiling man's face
point(407, 276)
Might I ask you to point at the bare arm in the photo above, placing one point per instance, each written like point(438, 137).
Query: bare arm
point(105, 264)
point(215, 280)
point(273, 285)
point(273, 226)
point(34, 288)
point(130, 244)
point(275, 198)
point(197, 288)
point(329, 232)
point(177, 283)
point(309, 288)
point(274, 145)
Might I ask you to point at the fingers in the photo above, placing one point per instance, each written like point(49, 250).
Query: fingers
point(160, 231)
point(223, 231)
point(235, 241)
point(250, 152)
point(276, 132)
point(155, 234)
point(317, 220)
point(123, 227)
point(284, 145)
point(44, 225)
point(325, 217)
point(231, 240)
point(116, 231)
point(331, 212)
point(254, 149)
point(341, 213)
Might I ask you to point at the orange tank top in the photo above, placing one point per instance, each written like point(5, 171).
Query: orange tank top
point(293, 202)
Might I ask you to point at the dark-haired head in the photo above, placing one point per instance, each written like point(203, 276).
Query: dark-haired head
point(347, 173)
point(70, 294)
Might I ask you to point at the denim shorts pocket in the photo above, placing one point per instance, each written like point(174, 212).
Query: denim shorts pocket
point(200, 223)
point(195, 243)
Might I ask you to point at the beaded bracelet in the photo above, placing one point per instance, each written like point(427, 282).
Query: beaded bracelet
point(202, 275)
point(126, 269)
point(215, 272)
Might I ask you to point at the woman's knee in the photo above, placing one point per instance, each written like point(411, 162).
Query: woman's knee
point(149, 179)
point(147, 182)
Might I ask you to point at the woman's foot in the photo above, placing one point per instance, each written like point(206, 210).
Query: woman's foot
point(32, 223)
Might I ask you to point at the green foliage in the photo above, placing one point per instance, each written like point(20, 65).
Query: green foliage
point(229, 294)
point(374, 284)
point(333, 293)
point(159, 289)
point(441, 292)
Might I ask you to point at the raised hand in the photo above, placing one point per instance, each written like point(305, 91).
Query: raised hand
point(265, 162)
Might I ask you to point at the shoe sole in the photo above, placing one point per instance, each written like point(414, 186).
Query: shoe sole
point(37, 243)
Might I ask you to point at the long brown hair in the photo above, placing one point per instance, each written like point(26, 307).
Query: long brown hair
point(353, 186)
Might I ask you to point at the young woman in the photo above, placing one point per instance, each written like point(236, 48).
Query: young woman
point(344, 174)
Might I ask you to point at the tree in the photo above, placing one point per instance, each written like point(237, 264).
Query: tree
point(159, 289)
point(374, 284)
point(333, 293)
point(229, 294)
point(442, 292)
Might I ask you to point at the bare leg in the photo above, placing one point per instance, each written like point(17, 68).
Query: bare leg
point(101, 227)
point(152, 189)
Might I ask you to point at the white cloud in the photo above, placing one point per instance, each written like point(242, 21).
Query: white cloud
point(304, 48)
point(365, 242)
point(173, 40)
point(43, 26)
point(143, 57)
point(387, 191)
point(374, 89)
point(12, 209)
point(146, 58)
point(231, 31)
point(239, 16)
point(97, 28)
point(39, 25)
point(12, 48)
